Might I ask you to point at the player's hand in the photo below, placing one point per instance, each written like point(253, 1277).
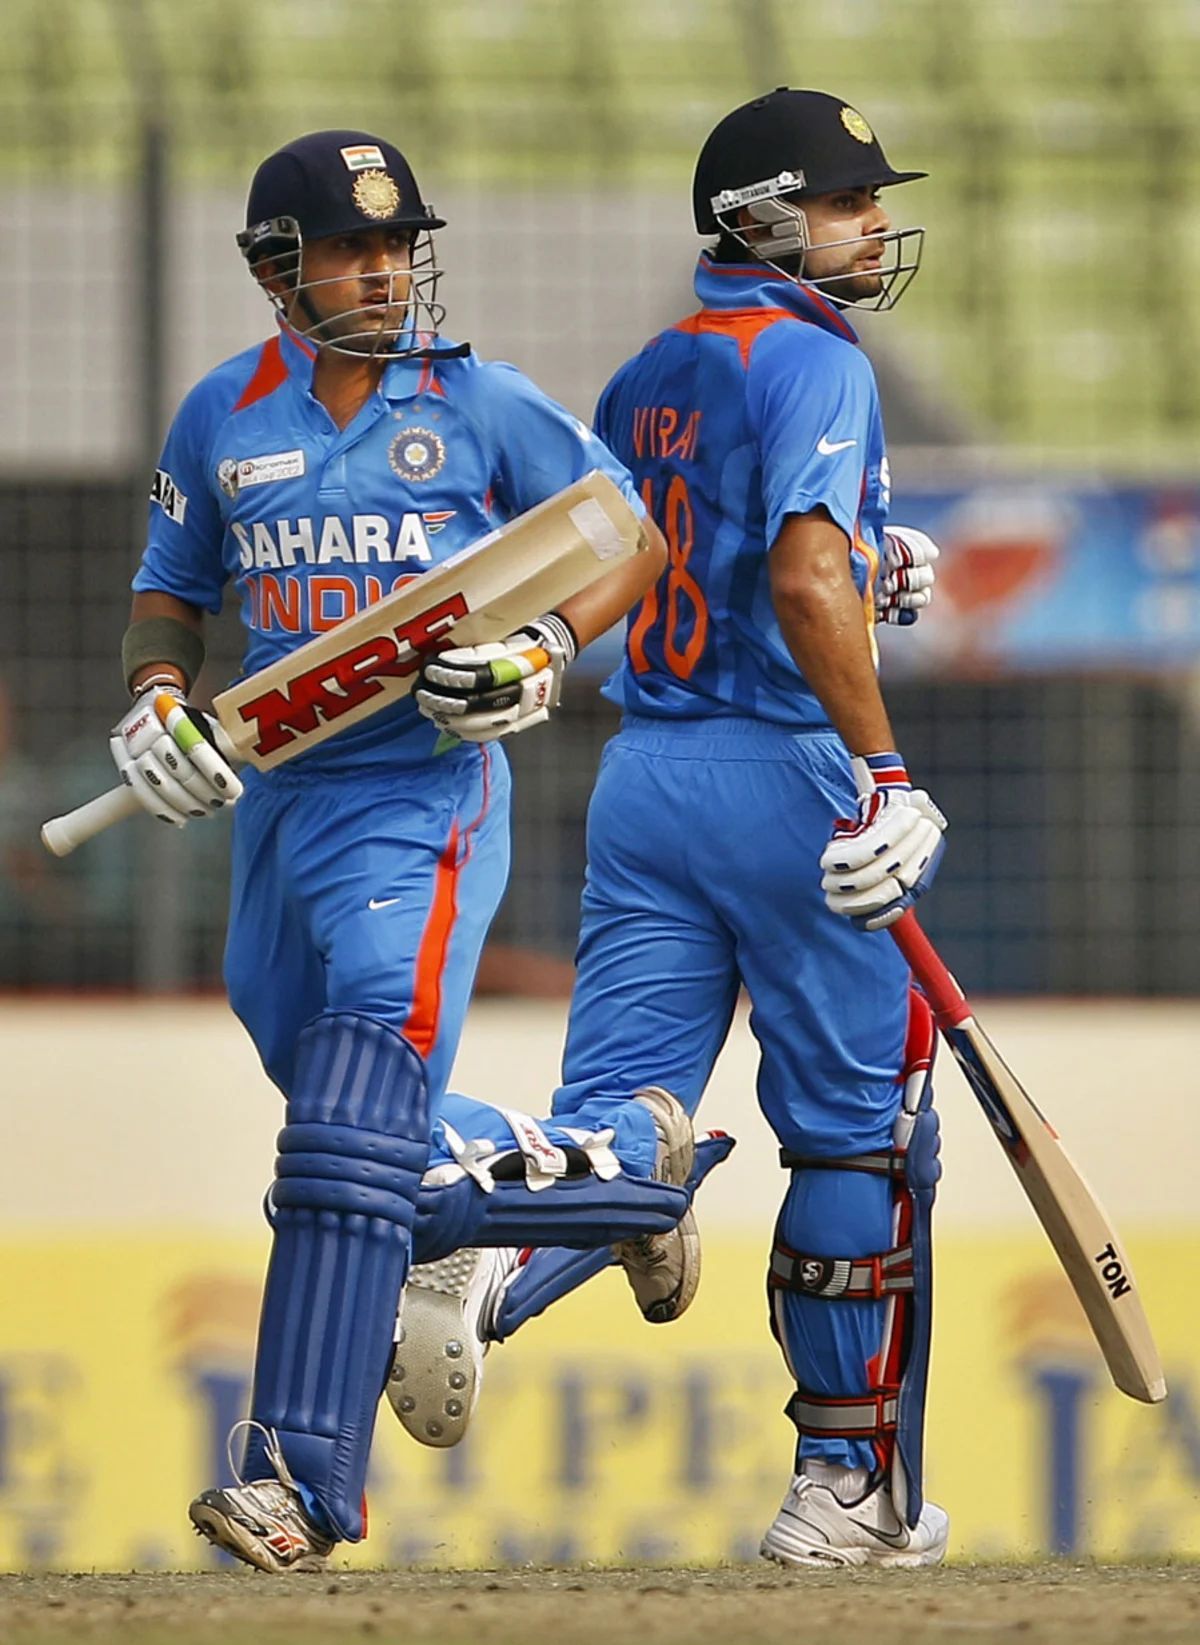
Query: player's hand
point(175, 759)
point(879, 862)
point(904, 586)
point(480, 692)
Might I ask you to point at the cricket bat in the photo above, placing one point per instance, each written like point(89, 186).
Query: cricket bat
point(1084, 1239)
point(370, 661)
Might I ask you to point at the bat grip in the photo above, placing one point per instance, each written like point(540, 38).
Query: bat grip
point(62, 834)
point(950, 1008)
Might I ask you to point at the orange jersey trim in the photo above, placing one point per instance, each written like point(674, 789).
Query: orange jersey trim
point(873, 560)
point(743, 325)
point(421, 1027)
point(269, 373)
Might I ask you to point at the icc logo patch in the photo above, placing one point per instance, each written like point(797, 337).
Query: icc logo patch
point(227, 476)
point(417, 454)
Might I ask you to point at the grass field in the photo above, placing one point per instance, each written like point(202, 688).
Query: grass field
point(1060, 1603)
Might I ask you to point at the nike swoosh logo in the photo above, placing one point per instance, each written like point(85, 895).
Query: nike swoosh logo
point(382, 902)
point(893, 1539)
point(828, 447)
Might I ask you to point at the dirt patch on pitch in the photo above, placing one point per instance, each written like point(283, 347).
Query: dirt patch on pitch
point(1058, 1603)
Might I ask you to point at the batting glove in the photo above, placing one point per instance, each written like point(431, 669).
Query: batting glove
point(879, 862)
point(904, 586)
point(173, 757)
point(481, 692)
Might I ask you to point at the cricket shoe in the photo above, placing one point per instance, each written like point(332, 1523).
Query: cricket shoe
point(443, 1335)
point(664, 1269)
point(814, 1528)
point(264, 1522)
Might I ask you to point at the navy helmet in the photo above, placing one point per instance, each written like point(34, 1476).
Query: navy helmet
point(332, 182)
point(789, 142)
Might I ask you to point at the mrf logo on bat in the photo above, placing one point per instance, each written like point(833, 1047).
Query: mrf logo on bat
point(332, 688)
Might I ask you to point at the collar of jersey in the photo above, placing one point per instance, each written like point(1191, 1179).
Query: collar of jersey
point(750, 285)
point(401, 378)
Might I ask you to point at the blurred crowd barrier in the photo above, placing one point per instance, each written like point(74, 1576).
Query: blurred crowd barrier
point(129, 1295)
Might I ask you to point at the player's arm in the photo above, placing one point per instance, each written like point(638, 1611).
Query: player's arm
point(595, 609)
point(821, 614)
point(170, 755)
point(482, 692)
point(879, 862)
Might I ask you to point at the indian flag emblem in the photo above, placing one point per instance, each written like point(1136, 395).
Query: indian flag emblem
point(361, 155)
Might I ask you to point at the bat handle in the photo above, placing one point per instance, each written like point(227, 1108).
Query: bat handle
point(950, 1007)
point(62, 834)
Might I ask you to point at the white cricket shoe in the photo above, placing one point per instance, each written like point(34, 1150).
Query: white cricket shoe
point(437, 1369)
point(814, 1528)
point(664, 1269)
point(264, 1524)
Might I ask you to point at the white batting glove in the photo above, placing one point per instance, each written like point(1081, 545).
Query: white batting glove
point(904, 586)
point(173, 757)
point(878, 863)
point(481, 692)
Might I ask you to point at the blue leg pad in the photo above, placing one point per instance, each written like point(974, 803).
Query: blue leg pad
point(579, 1212)
point(830, 1218)
point(553, 1272)
point(547, 1276)
point(851, 1290)
point(350, 1160)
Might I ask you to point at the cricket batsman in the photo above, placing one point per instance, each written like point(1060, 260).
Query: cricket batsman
point(316, 472)
point(753, 821)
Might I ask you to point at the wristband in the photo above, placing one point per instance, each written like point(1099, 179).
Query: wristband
point(872, 771)
point(555, 626)
point(162, 640)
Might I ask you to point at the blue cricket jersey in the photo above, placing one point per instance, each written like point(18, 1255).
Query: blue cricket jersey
point(759, 406)
point(256, 483)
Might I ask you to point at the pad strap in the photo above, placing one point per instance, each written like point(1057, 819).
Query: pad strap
point(885, 1163)
point(851, 1279)
point(844, 1416)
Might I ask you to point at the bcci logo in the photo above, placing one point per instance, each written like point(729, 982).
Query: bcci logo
point(417, 454)
point(375, 194)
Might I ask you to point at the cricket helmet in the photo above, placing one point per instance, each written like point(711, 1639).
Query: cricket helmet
point(342, 182)
point(769, 155)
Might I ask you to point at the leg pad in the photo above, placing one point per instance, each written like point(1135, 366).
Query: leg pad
point(551, 1273)
point(350, 1162)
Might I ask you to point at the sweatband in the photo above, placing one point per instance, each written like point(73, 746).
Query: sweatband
point(162, 640)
